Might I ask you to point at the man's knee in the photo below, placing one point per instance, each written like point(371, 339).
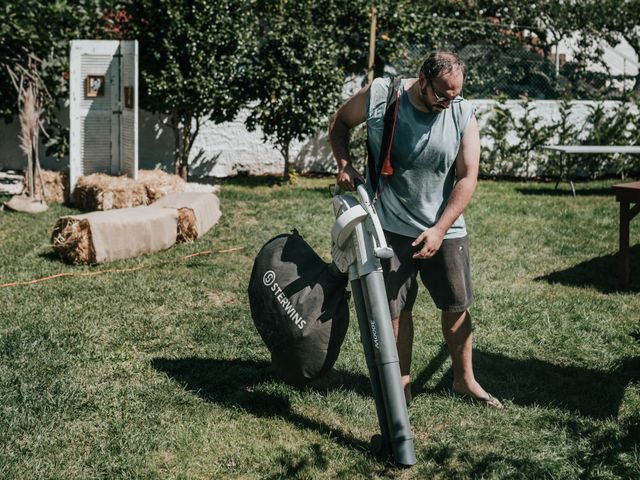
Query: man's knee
point(452, 321)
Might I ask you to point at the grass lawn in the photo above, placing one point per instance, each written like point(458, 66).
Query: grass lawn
point(160, 373)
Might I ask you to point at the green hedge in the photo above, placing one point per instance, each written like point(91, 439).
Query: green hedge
point(512, 144)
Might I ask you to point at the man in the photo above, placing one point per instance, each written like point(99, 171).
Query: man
point(435, 156)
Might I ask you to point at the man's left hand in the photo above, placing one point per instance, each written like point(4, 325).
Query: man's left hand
point(431, 240)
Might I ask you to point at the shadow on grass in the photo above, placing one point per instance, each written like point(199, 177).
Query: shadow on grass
point(235, 383)
point(599, 272)
point(531, 382)
point(253, 181)
point(51, 256)
point(342, 379)
point(250, 181)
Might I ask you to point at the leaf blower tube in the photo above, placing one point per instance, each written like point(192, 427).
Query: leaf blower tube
point(358, 245)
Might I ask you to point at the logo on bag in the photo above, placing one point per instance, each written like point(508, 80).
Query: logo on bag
point(269, 279)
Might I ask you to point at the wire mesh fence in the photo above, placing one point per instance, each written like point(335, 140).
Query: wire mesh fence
point(516, 72)
point(515, 69)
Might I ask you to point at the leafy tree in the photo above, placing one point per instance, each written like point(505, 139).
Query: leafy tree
point(606, 20)
point(297, 80)
point(509, 45)
point(194, 63)
point(42, 30)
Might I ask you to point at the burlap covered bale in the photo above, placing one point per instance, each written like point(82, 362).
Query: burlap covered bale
point(117, 234)
point(99, 191)
point(56, 186)
point(198, 212)
point(71, 240)
point(158, 183)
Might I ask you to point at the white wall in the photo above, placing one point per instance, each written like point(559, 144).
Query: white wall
point(228, 149)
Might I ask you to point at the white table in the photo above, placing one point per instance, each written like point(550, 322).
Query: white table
point(591, 150)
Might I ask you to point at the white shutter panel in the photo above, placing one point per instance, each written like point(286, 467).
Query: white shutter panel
point(103, 132)
point(129, 117)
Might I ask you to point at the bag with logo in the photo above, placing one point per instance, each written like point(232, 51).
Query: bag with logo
point(300, 306)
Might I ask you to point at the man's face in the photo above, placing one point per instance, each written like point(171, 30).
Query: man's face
point(438, 93)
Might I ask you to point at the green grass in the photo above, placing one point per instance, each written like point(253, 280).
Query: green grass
point(159, 373)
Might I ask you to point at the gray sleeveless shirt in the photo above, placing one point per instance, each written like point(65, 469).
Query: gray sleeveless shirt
point(425, 146)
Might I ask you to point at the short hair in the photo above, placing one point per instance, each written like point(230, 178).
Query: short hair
point(440, 63)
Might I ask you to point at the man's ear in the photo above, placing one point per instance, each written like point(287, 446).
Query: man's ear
point(421, 80)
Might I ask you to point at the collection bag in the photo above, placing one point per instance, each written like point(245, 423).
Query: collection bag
point(300, 306)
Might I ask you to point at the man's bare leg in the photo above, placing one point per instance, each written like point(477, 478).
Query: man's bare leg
point(403, 331)
point(456, 328)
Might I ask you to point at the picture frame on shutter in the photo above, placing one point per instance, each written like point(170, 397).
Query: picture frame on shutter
point(94, 86)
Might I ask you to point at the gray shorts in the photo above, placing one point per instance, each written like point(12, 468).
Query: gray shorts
point(446, 275)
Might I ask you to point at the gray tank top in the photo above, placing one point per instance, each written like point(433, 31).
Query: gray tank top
point(425, 146)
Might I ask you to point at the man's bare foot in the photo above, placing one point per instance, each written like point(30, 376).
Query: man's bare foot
point(474, 391)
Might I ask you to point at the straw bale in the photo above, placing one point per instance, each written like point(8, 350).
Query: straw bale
point(158, 183)
point(105, 192)
point(71, 240)
point(56, 186)
point(187, 227)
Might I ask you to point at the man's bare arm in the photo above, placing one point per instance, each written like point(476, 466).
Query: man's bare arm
point(348, 116)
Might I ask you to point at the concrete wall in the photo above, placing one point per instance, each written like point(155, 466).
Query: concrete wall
point(228, 149)
point(219, 150)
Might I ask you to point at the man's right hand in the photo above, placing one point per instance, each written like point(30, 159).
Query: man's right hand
point(346, 177)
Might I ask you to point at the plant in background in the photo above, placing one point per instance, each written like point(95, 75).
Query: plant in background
point(296, 82)
point(358, 147)
point(618, 126)
point(532, 135)
point(194, 65)
point(293, 176)
point(35, 29)
point(562, 132)
point(497, 159)
point(32, 96)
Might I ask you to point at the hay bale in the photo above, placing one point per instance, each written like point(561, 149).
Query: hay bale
point(71, 240)
point(187, 226)
point(56, 186)
point(105, 192)
point(158, 183)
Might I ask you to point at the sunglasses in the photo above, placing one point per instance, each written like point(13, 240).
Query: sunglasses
point(443, 98)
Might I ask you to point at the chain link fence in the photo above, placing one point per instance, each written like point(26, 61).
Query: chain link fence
point(518, 72)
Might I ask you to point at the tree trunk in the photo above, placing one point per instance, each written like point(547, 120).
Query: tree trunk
point(372, 43)
point(285, 153)
point(186, 148)
point(175, 126)
point(182, 144)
